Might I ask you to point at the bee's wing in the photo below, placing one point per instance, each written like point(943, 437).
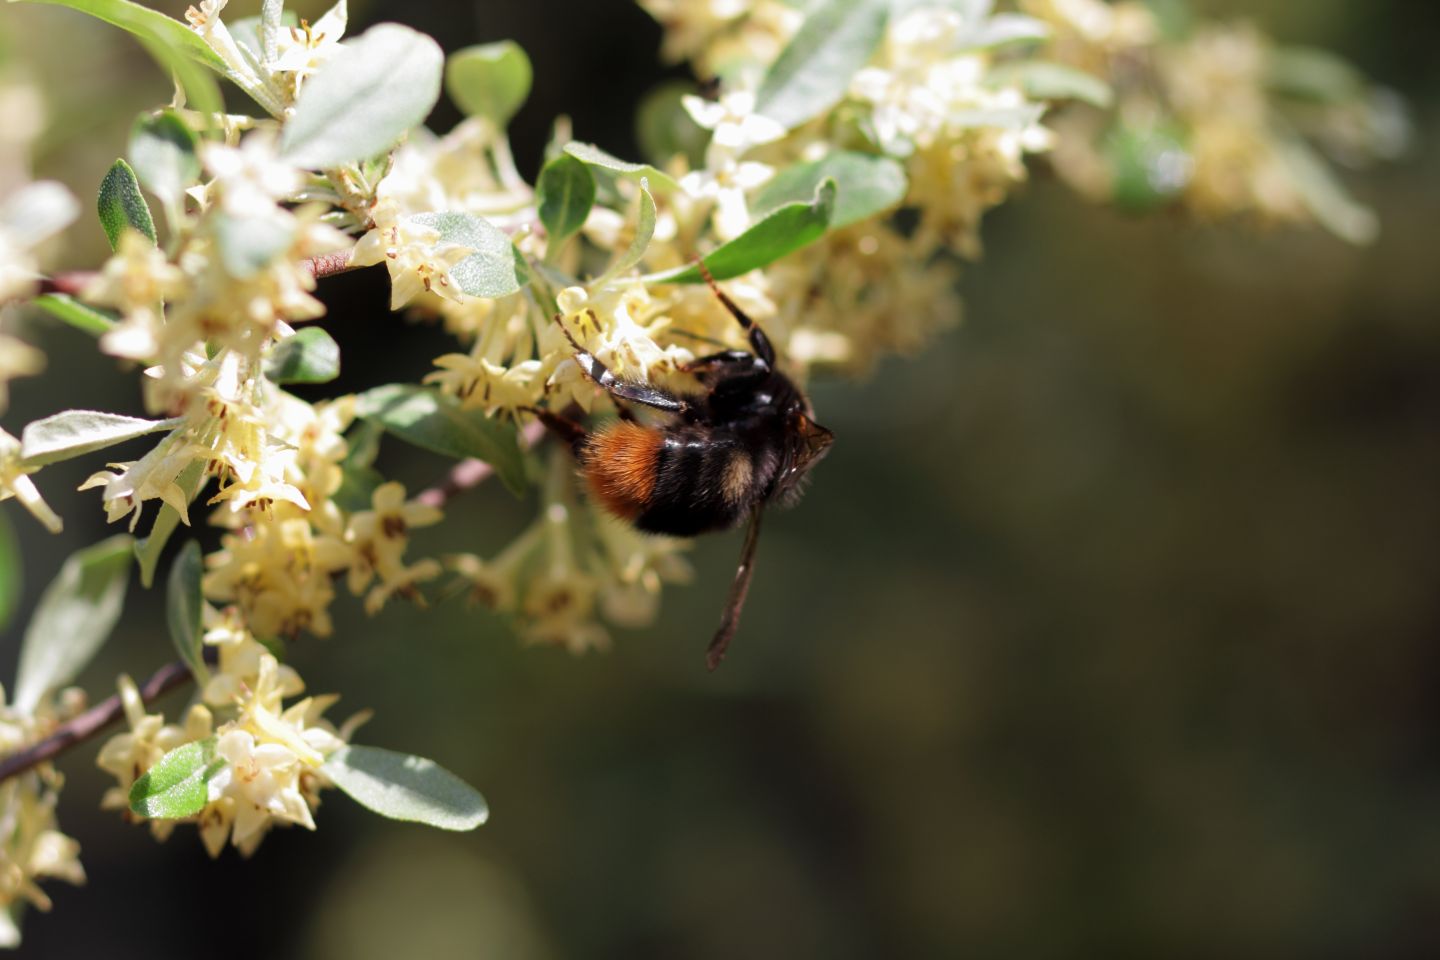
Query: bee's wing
point(730, 620)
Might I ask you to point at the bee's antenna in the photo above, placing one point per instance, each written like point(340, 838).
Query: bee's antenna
point(730, 619)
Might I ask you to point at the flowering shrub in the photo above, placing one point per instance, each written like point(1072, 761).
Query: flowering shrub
point(834, 173)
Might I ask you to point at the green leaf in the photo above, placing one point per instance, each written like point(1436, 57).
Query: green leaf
point(664, 128)
point(184, 606)
point(1324, 194)
point(249, 244)
point(311, 356)
point(76, 613)
point(163, 153)
point(374, 91)
point(1149, 167)
point(122, 206)
point(1051, 81)
point(565, 193)
point(1306, 73)
point(434, 421)
point(812, 74)
point(358, 484)
point(177, 786)
point(148, 25)
point(404, 787)
point(491, 80)
point(148, 551)
point(783, 231)
point(78, 315)
point(644, 233)
point(12, 575)
point(1002, 30)
point(495, 268)
point(865, 185)
point(78, 432)
point(595, 157)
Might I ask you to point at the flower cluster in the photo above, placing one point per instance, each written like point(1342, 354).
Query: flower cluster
point(270, 754)
point(842, 189)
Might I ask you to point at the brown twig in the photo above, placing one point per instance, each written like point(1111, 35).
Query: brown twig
point(468, 474)
point(72, 282)
point(91, 722)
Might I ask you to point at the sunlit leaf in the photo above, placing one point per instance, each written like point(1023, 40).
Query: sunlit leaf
point(1039, 80)
point(564, 193)
point(177, 786)
point(121, 205)
point(365, 99)
point(78, 315)
point(77, 432)
point(494, 268)
point(595, 157)
point(75, 615)
point(491, 80)
point(784, 230)
point(310, 356)
point(435, 421)
point(163, 153)
point(404, 787)
point(184, 606)
point(148, 550)
point(865, 185)
point(813, 72)
point(644, 232)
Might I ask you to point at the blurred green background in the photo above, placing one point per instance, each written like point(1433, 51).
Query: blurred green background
point(1110, 626)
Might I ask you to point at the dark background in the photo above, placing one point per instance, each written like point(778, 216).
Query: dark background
point(1109, 627)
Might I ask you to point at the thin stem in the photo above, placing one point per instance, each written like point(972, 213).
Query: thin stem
point(79, 729)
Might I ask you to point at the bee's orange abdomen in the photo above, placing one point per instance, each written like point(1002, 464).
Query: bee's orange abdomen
point(620, 464)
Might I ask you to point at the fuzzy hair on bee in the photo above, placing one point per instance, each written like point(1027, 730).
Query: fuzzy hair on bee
point(745, 441)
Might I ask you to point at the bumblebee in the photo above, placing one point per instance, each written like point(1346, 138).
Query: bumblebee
point(718, 459)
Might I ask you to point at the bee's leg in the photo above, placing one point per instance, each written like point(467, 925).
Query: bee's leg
point(622, 389)
point(758, 341)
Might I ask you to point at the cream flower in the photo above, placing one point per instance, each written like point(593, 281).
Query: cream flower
point(17, 359)
point(28, 217)
point(15, 482)
point(418, 260)
point(379, 538)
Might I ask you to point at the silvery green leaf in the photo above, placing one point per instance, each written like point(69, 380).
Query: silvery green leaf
point(76, 613)
point(564, 193)
point(813, 72)
point(644, 233)
point(404, 787)
point(1326, 197)
point(38, 211)
point(495, 268)
point(78, 315)
point(665, 128)
point(146, 24)
point(11, 572)
point(185, 606)
point(1039, 80)
point(491, 80)
point(310, 356)
point(1307, 73)
point(595, 157)
point(1003, 30)
point(365, 98)
point(163, 153)
point(178, 785)
point(77, 432)
point(249, 244)
point(148, 550)
point(435, 421)
point(271, 12)
point(121, 205)
point(865, 184)
point(782, 231)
